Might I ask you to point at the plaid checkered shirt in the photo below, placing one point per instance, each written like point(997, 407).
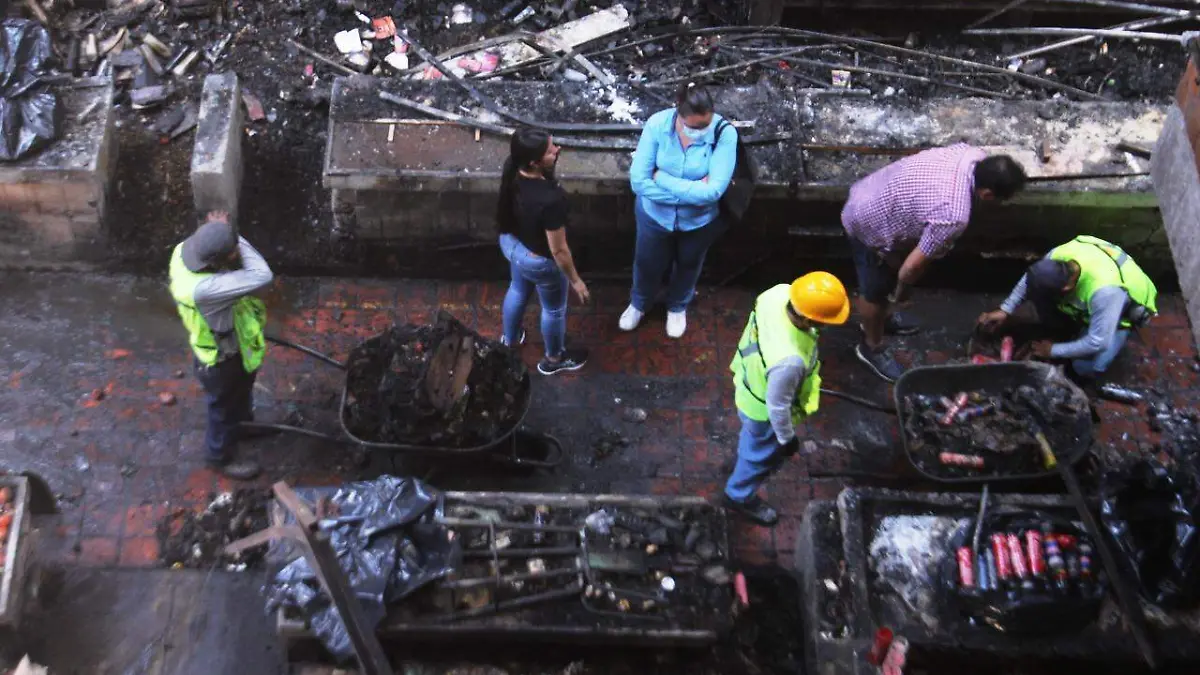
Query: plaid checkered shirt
point(923, 200)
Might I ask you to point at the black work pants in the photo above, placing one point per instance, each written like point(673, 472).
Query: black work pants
point(229, 393)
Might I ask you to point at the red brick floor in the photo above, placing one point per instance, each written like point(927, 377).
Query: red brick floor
point(124, 462)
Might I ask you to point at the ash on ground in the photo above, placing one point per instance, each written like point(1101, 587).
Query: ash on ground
point(388, 400)
point(193, 539)
point(904, 557)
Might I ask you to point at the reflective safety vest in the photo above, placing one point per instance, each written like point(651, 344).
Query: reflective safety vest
point(1103, 264)
point(249, 317)
point(769, 337)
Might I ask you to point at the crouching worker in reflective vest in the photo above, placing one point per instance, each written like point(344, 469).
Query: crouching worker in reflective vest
point(776, 380)
point(213, 274)
point(1089, 283)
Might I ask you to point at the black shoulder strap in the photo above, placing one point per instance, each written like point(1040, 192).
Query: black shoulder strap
point(717, 134)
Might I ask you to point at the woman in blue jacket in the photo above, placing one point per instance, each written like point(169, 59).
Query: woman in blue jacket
point(679, 172)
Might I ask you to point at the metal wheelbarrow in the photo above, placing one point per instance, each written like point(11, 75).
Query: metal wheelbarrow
point(1071, 439)
point(503, 448)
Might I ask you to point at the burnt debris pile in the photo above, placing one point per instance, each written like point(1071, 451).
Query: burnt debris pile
point(197, 539)
point(981, 433)
point(439, 385)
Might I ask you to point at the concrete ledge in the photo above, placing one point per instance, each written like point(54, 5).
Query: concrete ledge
point(414, 183)
point(1177, 182)
point(217, 157)
point(53, 204)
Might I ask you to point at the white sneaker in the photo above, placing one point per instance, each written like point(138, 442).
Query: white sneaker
point(630, 318)
point(676, 324)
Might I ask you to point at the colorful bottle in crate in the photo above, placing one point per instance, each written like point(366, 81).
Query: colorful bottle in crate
point(1055, 562)
point(1016, 554)
point(993, 574)
point(1003, 566)
point(981, 573)
point(966, 568)
point(1033, 547)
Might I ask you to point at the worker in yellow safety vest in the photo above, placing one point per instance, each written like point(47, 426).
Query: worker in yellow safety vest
point(777, 381)
point(214, 274)
point(1086, 281)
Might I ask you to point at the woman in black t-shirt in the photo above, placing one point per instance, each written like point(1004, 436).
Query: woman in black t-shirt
point(531, 216)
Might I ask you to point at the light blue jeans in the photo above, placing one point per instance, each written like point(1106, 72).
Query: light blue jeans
point(1099, 363)
point(531, 271)
point(757, 458)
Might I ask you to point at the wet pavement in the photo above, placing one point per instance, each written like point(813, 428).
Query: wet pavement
point(121, 460)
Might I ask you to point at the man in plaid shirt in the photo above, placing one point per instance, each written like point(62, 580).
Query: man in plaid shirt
point(905, 215)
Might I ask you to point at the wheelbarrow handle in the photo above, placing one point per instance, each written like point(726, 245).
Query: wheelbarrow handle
point(287, 428)
point(307, 350)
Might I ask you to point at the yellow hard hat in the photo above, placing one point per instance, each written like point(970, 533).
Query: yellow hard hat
point(820, 296)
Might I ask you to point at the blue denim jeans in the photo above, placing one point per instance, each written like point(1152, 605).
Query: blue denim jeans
point(229, 393)
point(531, 271)
point(659, 252)
point(757, 458)
point(1098, 364)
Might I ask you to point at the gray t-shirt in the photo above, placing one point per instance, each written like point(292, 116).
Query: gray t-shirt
point(215, 295)
point(1106, 308)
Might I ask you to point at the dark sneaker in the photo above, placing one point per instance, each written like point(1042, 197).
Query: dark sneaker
point(572, 359)
point(880, 362)
point(755, 509)
point(897, 324)
point(238, 469)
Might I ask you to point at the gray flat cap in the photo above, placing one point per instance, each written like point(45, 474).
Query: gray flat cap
point(211, 243)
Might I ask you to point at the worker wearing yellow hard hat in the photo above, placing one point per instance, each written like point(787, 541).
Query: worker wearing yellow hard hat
point(776, 380)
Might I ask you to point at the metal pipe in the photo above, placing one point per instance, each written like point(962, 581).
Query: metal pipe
point(1131, 6)
point(866, 403)
point(324, 59)
point(1128, 25)
point(503, 605)
point(522, 552)
point(741, 64)
point(492, 105)
point(1031, 79)
point(498, 129)
point(503, 525)
point(1088, 32)
point(995, 13)
point(902, 76)
point(307, 350)
point(512, 578)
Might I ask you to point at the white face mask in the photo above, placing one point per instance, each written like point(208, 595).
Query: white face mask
point(695, 134)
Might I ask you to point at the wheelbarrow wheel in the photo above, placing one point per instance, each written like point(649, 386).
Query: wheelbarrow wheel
point(550, 457)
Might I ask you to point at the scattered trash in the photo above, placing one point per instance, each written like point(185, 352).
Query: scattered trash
point(1114, 392)
point(118, 354)
point(166, 398)
point(635, 415)
point(460, 14)
point(197, 540)
point(840, 79)
point(254, 107)
point(129, 468)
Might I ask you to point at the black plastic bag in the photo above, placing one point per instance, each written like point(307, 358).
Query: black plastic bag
point(387, 547)
point(1150, 512)
point(29, 109)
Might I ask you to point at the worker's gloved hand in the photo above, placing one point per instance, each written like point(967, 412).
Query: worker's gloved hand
point(790, 448)
point(988, 322)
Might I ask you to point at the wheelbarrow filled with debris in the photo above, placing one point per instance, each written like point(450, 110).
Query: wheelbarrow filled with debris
point(991, 422)
point(438, 389)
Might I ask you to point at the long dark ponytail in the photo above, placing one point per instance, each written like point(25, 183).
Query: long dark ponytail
point(527, 146)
